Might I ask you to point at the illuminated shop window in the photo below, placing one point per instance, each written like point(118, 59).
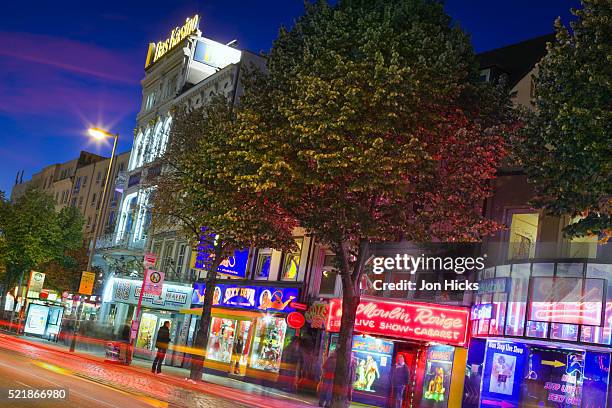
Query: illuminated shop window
point(517, 305)
point(291, 264)
point(523, 234)
point(268, 343)
point(559, 331)
point(221, 339)
point(583, 247)
point(536, 329)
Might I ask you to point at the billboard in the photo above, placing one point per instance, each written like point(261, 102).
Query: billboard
point(503, 371)
point(409, 320)
point(263, 298)
point(373, 359)
point(36, 321)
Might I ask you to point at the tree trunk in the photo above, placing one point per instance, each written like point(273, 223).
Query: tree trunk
point(343, 381)
point(201, 339)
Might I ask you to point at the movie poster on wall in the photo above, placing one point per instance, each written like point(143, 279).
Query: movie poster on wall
point(504, 364)
point(373, 359)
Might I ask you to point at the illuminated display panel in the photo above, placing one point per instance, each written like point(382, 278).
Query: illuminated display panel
point(418, 321)
point(566, 300)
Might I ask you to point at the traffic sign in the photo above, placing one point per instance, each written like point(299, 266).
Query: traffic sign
point(87, 282)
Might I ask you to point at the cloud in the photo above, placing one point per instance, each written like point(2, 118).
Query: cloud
point(72, 56)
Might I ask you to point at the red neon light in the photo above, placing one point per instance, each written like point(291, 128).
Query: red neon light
point(418, 321)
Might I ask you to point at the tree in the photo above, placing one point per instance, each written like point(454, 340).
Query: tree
point(34, 234)
point(195, 195)
point(566, 144)
point(371, 126)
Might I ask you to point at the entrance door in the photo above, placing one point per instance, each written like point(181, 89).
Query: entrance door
point(410, 353)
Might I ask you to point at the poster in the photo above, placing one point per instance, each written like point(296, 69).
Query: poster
point(373, 362)
point(262, 298)
point(503, 371)
point(437, 378)
point(36, 322)
point(554, 378)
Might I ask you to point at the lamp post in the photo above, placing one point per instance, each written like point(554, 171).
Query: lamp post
point(98, 134)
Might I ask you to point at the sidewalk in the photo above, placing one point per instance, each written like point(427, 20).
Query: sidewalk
point(178, 377)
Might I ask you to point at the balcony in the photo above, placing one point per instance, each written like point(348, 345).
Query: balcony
point(125, 245)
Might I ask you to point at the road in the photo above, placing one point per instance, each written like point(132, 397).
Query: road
point(19, 372)
point(89, 383)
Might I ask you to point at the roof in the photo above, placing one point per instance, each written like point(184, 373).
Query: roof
point(517, 60)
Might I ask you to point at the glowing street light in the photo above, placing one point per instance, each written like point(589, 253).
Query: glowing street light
point(98, 133)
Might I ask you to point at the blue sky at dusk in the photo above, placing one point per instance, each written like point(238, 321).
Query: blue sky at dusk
point(67, 64)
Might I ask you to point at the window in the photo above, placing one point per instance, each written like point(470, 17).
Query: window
point(262, 266)
point(181, 259)
point(77, 184)
point(80, 202)
point(329, 276)
point(99, 177)
point(291, 263)
point(93, 199)
point(88, 221)
point(268, 343)
point(111, 218)
point(84, 180)
point(523, 234)
point(167, 257)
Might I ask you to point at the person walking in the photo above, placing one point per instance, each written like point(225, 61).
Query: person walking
point(399, 379)
point(163, 338)
point(327, 380)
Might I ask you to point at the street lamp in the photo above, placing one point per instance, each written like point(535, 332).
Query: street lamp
point(98, 134)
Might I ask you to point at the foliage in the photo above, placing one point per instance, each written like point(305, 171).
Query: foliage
point(566, 146)
point(194, 191)
point(35, 234)
point(371, 126)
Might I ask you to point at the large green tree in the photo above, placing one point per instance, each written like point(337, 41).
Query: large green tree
point(35, 235)
point(566, 146)
point(194, 196)
point(371, 126)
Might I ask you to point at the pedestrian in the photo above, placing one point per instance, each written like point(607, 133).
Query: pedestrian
point(236, 355)
point(163, 338)
point(327, 380)
point(399, 379)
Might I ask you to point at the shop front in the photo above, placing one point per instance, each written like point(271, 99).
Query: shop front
point(430, 339)
point(248, 329)
point(541, 336)
point(119, 307)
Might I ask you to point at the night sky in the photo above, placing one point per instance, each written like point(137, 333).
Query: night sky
point(67, 64)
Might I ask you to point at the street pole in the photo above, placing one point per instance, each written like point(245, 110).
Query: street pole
point(94, 239)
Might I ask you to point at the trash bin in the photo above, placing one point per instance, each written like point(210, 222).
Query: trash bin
point(117, 352)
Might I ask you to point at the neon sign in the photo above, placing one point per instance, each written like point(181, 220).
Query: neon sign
point(419, 321)
point(178, 34)
point(263, 298)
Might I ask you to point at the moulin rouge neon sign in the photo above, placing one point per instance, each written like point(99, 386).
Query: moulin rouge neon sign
point(418, 321)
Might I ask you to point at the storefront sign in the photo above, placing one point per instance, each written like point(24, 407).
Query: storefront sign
point(418, 321)
point(299, 306)
point(149, 259)
point(504, 362)
point(154, 282)
point(35, 284)
point(295, 320)
point(87, 282)
point(235, 265)
point(482, 311)
point(317, 314)
point(567, 300)
point(215, 54)
point(173, 297)
point(493, 285)
point(265, 298)
point(178, 34)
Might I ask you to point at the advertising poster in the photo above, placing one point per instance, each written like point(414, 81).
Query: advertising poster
point(262, 298)
point(437, 378)
point(374, 358)
point(36, 322)
point(554, 378)
point(503, 370)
